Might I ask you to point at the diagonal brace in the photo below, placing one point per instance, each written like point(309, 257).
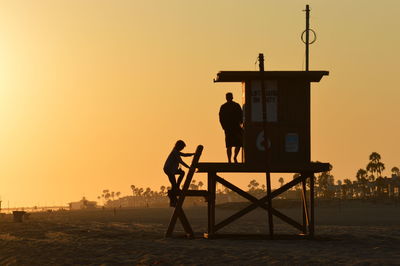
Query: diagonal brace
point(258, 203)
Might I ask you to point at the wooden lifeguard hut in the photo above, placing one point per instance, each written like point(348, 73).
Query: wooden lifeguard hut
point(286, 126)
point(277, 139)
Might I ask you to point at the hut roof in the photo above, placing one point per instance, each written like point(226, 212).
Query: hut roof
point(240, 76)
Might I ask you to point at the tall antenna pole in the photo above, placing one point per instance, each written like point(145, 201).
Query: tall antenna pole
point(267, 170)
point(307, 36)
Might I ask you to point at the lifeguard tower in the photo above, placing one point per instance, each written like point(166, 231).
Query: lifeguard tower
point(276, 124)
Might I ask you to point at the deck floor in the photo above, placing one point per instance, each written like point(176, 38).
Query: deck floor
point(204, 167)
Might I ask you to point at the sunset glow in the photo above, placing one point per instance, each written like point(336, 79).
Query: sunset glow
point(94, 94)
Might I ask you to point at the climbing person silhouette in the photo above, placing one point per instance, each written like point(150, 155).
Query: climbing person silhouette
point(231, 119)
point(171, 167)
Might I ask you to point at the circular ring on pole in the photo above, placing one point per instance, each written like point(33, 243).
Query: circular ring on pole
point(314, 39)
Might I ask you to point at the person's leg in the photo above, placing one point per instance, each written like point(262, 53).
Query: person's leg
point(237, 150)
point(180, 177)
point(171, 178)
point(229, 153)
point(174, 189)
point(228, 144)
point(238, 143)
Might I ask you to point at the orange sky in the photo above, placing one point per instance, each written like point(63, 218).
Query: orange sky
point(94, 93)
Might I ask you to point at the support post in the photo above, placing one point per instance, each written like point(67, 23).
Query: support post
point(305, 207)
point(265, 131)
point(269, 201)
point(211, 183)
point(311, 225)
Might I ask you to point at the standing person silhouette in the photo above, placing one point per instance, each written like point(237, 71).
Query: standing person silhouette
point(231, 119)
point(171, 167)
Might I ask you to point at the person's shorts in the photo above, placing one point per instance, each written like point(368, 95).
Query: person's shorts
point(234, 138)
point(171, 176)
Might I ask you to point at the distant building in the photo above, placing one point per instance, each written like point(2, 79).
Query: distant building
point(83, 204)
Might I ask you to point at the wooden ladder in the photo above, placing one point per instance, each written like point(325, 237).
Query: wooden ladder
point(178, 211)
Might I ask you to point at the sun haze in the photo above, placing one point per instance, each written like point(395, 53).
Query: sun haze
point(93, 94)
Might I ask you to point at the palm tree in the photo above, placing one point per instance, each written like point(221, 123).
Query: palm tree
point(200, 184)
point(226, 190)
point(339, 183)
point(253, 185)
point(362, 181)
point(375, 165)
point(380, 183)
point(162, 190)
point(147, 192)
point(361, 173)
point(193, 185)
point(107, 196)
point(395, 171)
point(325, 180)
point(348, 188)
point(281, 180)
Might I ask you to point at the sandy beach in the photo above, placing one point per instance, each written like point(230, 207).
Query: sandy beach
point(351, 234)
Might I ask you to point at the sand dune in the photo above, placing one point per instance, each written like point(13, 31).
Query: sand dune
point(359, 234)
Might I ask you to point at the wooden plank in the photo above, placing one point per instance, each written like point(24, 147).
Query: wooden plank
point(242, 193)
point(249, 208)
point(242, 212)
point(287, 219)
point(234, 217)
point(178, 211)
point(185, 223)
point(274, 193)
point(261, 203)
point(239, 191)
point(304, 206)
point(287, 186)
point(255, 202)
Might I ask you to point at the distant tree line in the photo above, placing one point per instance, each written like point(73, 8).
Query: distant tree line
point(369, 183)
point(108, 195)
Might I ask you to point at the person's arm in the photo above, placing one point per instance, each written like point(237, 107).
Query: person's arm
point(186, 154)
point(183, 163)
point(222, 118)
